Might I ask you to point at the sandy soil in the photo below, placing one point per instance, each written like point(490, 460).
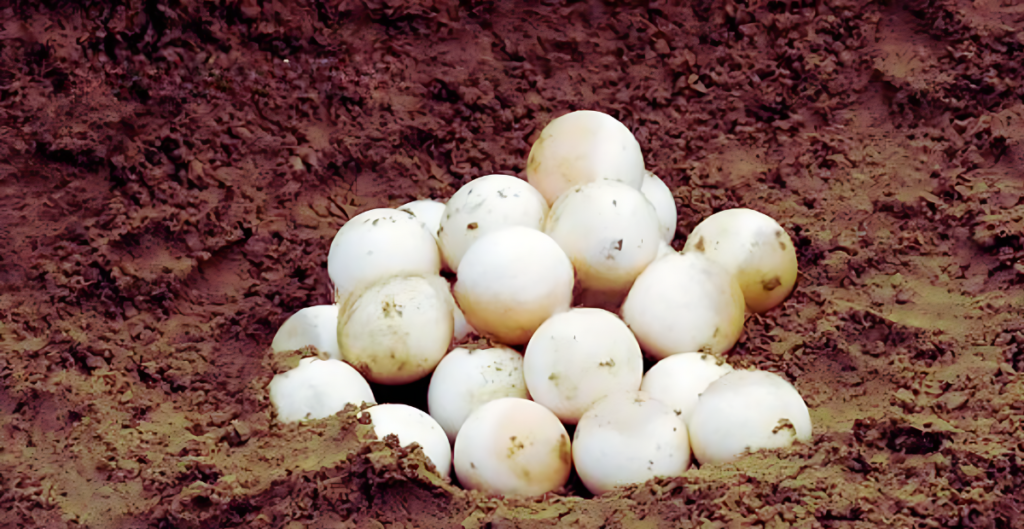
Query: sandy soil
point(172, 174)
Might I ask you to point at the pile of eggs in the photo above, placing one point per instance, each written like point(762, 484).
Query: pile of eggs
point(561, 284)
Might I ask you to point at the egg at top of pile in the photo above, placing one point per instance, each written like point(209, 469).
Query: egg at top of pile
point(582, 147)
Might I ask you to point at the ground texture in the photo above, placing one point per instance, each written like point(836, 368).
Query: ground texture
point(173, 171)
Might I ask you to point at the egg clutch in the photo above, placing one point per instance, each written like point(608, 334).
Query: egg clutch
point(562, 283)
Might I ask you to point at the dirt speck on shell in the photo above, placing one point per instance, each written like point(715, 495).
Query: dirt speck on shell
point(172, 175)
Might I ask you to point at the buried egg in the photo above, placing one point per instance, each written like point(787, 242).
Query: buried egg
point(317, 389)
point(684, 303)
point(510, 281)
point(315, 326)
point(754, 248)
point(577, 357)
point(582, 147)
point(469, 378)
point(376, 245)
point(628, 438)
point(609, 231)
point(485, 205)
point(513, 446)
point(745, 411)
point(411, 425)
point(396, 331)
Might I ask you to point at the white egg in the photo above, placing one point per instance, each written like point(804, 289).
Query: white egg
point(513, 446)
point(660, 196)
point(609, 231)
point(679, 379)
point(665, 249)
point(483, 206)
point(317, 389)
point(315, 326)
point(510, 281)
point(411, 425)
point(463, 329)
point(582, 147)
point(628, 438)
point(578, 357)
point(428, 212)
point(376, 245)
point(684, 303)
point(396, 331)
point(469, 378)
point(745, 411)
point(753, 247)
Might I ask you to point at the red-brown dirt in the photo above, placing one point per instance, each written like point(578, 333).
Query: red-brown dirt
point(173, 171)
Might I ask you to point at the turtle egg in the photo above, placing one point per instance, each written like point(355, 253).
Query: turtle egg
point(679, 379)
point(411, 425)
point(665, 249)
point(510, 281)
point(745, 411)
point(376, 245)
point(684, 303)
point(468, 378)
point(577, 357)
point(660, 196)
point(628, 438)
point(316, 326)
point(609, 231)
point(753, 247)
point(485, 205)
point(397, 330)
point(428, 212)
point(463, 329)
point(513, 446)
point(317, 389)
point(582, 147)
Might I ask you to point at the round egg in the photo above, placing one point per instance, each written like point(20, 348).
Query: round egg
point(628, 438)
point(513, 446)
point(754, 248)
point(469, 378)
point(577, 357)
